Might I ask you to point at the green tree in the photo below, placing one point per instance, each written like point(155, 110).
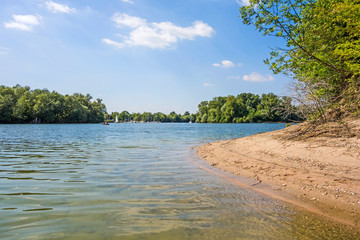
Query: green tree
point(58, 105)
point(204, 118)
point(44, 108)
point(186, 117)
point(322, 45)
point(230, 110)
point(7, 102)
point(174, 117)
point(268, 108)
point(74, 112)
point(124, 116)
point(98, 111)
point(161, 117)
point(214, 109)
point(147, 117)
point(245, 107)
point(21, 105)
point(22, 111)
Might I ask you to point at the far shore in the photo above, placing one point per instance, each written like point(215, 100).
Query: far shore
point(320, 173)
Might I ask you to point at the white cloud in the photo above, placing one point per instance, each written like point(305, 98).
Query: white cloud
point(257, 77)
point(58, 8)
point(113, 43)
point(156, 35)
point(128, 1)
point(208, 85)
point(150, 37)
point(124, 20)
point(23, 22)
point(243, 2)
point(234, 77)
point(197, 29)
point(224, 64)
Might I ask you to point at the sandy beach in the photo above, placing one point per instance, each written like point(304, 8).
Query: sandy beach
point(319, 172)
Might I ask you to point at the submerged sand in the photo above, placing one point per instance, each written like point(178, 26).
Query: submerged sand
point(320, 173)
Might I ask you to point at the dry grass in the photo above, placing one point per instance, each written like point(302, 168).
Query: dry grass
point(346, 128)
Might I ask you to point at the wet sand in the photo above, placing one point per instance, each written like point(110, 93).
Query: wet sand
point(319, 173)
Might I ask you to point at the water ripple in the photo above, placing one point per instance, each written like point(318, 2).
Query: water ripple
point(134, 181)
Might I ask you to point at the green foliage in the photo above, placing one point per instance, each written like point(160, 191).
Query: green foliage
point(245, 108)
point(21, 105)
point(125, 116)
point(322, 45)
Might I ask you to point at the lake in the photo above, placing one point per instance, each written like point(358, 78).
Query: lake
point(136, 181)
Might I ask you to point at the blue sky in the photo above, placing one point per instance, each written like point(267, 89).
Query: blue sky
point(136, 55)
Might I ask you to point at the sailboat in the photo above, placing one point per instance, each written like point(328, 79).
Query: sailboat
point(116, 119)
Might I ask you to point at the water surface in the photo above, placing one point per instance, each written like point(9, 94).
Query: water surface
point(136, 181)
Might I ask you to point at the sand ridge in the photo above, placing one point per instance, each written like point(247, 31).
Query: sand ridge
point(320, 172)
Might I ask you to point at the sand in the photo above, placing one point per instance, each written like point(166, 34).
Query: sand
point(320, 173)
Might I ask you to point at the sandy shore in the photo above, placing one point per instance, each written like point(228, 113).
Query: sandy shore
point(320, 173)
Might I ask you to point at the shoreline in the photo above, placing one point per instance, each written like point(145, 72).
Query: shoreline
point(320, 174)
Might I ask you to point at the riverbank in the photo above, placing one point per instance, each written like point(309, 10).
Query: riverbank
point(315, 167)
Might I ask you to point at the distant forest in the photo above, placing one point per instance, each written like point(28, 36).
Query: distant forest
point(244, 108)
point(21, 105)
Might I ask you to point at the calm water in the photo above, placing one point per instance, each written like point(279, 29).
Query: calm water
point(135, 181)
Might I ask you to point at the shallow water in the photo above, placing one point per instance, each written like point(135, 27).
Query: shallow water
point(136, 181)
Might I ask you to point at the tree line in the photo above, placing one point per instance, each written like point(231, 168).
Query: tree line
point(244, 108)
point(247, 108)
point(22, 105)
point(125, 116)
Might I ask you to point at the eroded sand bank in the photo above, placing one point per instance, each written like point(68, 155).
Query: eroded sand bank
point(319, 173)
